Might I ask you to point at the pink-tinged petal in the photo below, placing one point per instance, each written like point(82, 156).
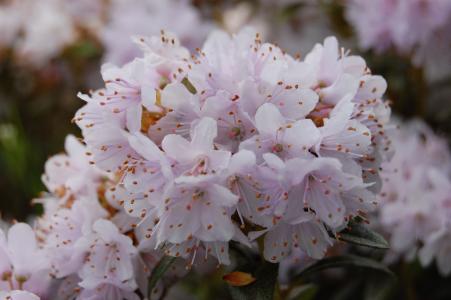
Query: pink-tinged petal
point(345, 85)
point(216, 224)
point(75, 150)
point(301, 136)
point(203, 134)
point(18, 295)
point(145, 146)
point(403, 237)
point(221, 196)
point(430, 249)
point(217, 105)
point(273, 161)
point(354, 65)
point(21, 241)
point(175, 95)
point(220, 250)
point(251, 98)
point(242, 161)
point(133, 118)
point(339, 116)
point(312, 237)
point(278, 242)
point(5, 264)
point(178, 148)
point(271, 70)
point(299, 168)
point(354, 138)
point(300, 74)
point(372, 87)
point(268, 119)
point(253, 144)
point(106, 229)
point(327, 204)
point(359, 200)
point(218, 160)
point(180, 222)
point(295, 104)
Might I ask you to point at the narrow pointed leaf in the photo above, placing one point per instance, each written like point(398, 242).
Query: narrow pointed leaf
point(158, 272)
point(305, 292)
point(357, 233)
point(344, 262)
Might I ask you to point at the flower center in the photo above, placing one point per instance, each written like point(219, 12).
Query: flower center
point(235, 133)
point(277, 148)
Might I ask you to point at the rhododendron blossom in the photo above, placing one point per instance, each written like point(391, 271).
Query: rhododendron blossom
point(408, 26)
point(240, 128)
point(126, 20)
point(415, 199)
point(183, 153)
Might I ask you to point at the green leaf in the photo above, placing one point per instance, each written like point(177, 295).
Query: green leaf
point(84, 49)
point(305, 292)
point(344, 262)
point(378, 289)
point(262, 289)
point(158, 272)
point(357, 233)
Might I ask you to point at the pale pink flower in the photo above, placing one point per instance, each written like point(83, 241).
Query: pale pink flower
point(109, 262)
point(295, 148)
point(46, 31)
point(23, 264)
point(408, 26)
point(275, 135)
point(62, 230)
point(71, 174)
point(127, 20)
point(18, 295)
point(415, 201)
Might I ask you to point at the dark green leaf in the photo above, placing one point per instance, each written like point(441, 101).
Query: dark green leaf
point(305, 292)
point(344, 262)
point(262, 289)
point(378, 289)
point(158, 272)
point(357, 233)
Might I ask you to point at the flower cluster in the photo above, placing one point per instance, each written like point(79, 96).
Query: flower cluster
point(409, 26)
point(125, 20)
point(416, 197)
point(237, 141)
point(183, 153)
point(80, 244)
point(38, 31)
